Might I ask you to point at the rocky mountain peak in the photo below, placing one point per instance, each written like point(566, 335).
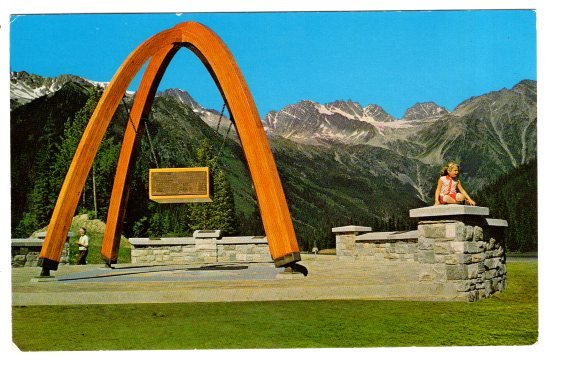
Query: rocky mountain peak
point(353, 110)
point(526, 88)
point(425, 110)
point(181, 96)
point(377, 113)
point(25, 87)
point(209, 116)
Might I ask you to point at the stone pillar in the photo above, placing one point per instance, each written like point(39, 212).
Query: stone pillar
point(206, 248)
point(470, 246)
point(346, 240)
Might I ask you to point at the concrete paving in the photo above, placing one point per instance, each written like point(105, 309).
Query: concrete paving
point(328, 278)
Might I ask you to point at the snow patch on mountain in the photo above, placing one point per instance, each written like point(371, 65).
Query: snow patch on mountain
point(345, 122)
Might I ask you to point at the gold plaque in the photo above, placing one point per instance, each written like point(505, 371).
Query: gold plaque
point(180, 185)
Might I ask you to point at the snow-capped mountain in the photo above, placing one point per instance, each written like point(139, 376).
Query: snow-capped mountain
point(25, 87)
point(337, 160)
point(501, 122)
point(209, 116)
point(426, 110)
point(344, 122)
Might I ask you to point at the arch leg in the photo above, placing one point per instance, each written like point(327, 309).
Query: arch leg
point(84, 156)
point(121, 189)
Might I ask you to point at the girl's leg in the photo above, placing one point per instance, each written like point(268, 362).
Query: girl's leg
point(448, 199)
point(460, 198)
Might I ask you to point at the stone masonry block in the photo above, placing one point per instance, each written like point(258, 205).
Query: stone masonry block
point(478, 234)
point(206, 245)
point(426, 257)
point(466, 285)
point(391, 256)
point(450, 231)
point(19, 258)
point(492, 263)
point(491, 274)
point(464, 258)
point(473, 296)
point(481, 267)
point(402, 248)
point(451, 259)
point(409, 256)
point(458, 246)
point(489, 286)
point(456, 272)
point(472, 271)
point(476, 257)
point(491, 244)
point(439, 258)
point(138, 252)
point(460, 231)
point(434, 231)
point(442, 247)
point(473, 246)
point(456, 231)
point(469, 233)
point(482, 293)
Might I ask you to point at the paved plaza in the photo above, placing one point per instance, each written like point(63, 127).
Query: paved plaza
point(327, 279)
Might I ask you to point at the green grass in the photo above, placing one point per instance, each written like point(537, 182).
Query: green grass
point(509, 318)
point(94, 256)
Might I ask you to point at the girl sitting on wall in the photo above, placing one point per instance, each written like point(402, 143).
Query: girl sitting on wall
point(449, 189)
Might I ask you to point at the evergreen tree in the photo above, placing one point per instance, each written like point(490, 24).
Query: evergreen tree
point(66, 149)
point(39, 207)
point(513, 197)
point(220, 214)
point(224, 217)
point(103, 167)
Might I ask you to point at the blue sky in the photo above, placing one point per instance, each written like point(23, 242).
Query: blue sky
point(390, 58)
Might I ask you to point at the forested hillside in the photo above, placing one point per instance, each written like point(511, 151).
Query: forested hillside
point(328, 182)
point(514, 197)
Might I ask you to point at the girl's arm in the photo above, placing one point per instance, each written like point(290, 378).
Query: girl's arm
point(462, 191)
point(437, 193)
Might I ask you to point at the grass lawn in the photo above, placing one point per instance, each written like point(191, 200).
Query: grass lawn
point(94, 248)
point(510, 318)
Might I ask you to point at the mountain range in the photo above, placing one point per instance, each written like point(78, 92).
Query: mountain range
point(340, 162)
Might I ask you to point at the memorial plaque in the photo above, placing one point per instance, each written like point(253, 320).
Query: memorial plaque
point(180, 185)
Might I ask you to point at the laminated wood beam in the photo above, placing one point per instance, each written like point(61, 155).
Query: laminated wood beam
point(218, 60)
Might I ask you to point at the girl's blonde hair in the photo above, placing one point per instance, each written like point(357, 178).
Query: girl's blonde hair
point(449, 165)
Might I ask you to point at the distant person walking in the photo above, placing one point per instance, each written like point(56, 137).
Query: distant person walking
point(83, 243)
point(449, 189)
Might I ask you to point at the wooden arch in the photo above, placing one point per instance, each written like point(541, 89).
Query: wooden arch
point(160, 49)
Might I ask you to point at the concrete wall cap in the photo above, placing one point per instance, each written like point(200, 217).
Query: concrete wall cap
point(449, 210)
point(351, 228)
point(497, 222)
point(30, 242)
point(144, 241)
point(242, 240)
point(399, 235)
point(206, 234)
point(41, 235)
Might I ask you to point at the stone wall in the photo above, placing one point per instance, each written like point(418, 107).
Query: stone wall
point(455, 246)
point(203, 246)
point(25, 252)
